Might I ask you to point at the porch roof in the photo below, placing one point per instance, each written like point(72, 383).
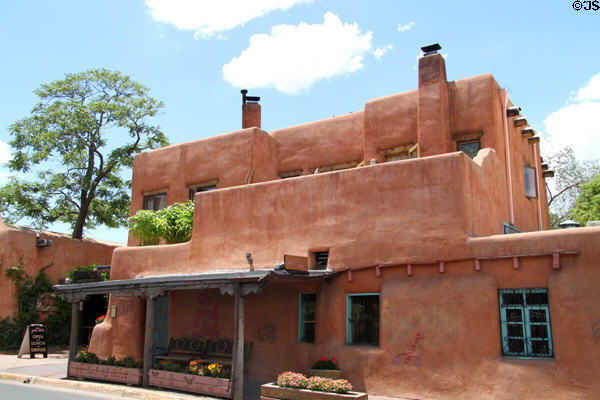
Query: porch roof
point(250, 281)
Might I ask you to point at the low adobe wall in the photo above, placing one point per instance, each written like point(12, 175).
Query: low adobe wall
point(64, 254)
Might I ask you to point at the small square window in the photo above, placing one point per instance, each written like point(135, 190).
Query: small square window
point(321, 260)
point(530, 182)
point(525, 323)
point(363, 319)
point(307, 317)
point(155, 201)
point(470, 148)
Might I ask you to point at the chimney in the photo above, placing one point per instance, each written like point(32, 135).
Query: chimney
point(250, 110)
point(433, 107)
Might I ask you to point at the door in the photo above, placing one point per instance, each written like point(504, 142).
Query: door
point(161, 327)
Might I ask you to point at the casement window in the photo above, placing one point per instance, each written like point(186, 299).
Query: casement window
point(525, 323)
point(155, 201)
point(530, 182)
point(321, 260)
point(307, 317)
point(362, 319)
point(202, 187)
point(470, 148)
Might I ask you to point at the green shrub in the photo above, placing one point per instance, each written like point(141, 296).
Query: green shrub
point(173, 224)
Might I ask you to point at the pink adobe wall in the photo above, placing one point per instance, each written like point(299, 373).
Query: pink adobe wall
point(64, 255)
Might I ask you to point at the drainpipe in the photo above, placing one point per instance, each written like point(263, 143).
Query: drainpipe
point(537, 179)
point(508, 160)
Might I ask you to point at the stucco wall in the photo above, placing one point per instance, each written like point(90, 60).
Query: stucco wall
point(64, 255)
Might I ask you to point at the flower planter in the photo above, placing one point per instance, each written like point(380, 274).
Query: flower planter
point(271, 391)
point(189, 382)
point(130, 376)
point(326, 373)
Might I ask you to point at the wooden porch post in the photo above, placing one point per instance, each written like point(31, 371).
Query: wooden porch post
point(148, 339)
point(74, 338)
point(238, 345)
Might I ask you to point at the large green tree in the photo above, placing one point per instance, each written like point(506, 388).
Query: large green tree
point(569, 174)
point(73, 148)
point(587, 206)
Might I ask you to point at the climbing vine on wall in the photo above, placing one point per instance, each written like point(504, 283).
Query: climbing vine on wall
point(28, 290)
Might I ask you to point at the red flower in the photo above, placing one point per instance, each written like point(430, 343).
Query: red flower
point(322, 359)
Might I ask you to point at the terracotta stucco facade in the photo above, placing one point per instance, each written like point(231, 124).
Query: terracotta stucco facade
point(422, 232)
point(64, 254)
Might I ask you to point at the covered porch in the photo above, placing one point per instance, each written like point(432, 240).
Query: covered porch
point(155, 289)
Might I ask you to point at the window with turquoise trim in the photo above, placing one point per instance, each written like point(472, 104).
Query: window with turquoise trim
point(362, 312)
point(525, 323)
point(307, 321)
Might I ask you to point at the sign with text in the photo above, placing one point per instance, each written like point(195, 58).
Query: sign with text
point(295, 263)
point(35, 341)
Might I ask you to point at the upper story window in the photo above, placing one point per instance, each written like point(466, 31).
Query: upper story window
point(525, 322)
point(468, 143)
point(362, 324)
point(307, 317)
point(155, 201)
point(470, 148)
point(530, 182)
point(202, 187)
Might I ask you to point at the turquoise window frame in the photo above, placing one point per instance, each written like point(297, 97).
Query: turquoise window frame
point(301, 321)
point(349, 314)
point(526, 323)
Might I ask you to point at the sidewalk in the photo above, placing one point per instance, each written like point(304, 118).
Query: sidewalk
point(52, 371)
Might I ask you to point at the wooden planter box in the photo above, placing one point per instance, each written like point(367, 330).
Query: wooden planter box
point(189, 382)
point(271, 391)
point(130, 376)
point(326, 373)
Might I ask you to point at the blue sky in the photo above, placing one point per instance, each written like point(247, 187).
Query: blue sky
point(307, 60)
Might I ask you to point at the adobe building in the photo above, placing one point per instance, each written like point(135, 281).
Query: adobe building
point(37, 249)
point(424, 220)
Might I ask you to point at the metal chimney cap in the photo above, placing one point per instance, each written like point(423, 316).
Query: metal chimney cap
point(431, 49)
point(569, 224)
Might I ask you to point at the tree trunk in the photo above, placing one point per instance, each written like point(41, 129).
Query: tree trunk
point(78, 228)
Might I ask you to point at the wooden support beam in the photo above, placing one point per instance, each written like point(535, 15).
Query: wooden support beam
point(515, 262)
point(237, 371)
point(477, 265)
point(408, 269)
point(74, 339)
point(349, 275)
point(556, 260)
point(442, 267)
point(378, 270)
point(148, 340)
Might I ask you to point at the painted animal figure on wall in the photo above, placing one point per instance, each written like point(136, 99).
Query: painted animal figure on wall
point(409, 354)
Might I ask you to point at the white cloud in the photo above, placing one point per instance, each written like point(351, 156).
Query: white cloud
point(5, 155)
point(578, 126)
point(591, 91)
point(380, 51)
point(293, 58)
point(407, 27)
point(210, 17)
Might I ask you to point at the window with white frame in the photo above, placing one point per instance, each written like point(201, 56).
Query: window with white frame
point(362, 312)
point(525, 322)
point(307, 317)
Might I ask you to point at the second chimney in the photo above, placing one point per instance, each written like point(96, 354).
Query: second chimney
point(250, 110)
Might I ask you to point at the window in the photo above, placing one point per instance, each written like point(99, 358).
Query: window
point(202, 187)
point(155, 201)
point(525, 323)
point(307, 317)
point(363, 319)
point(470, 148)
point(530, 182)
point(321, 259)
